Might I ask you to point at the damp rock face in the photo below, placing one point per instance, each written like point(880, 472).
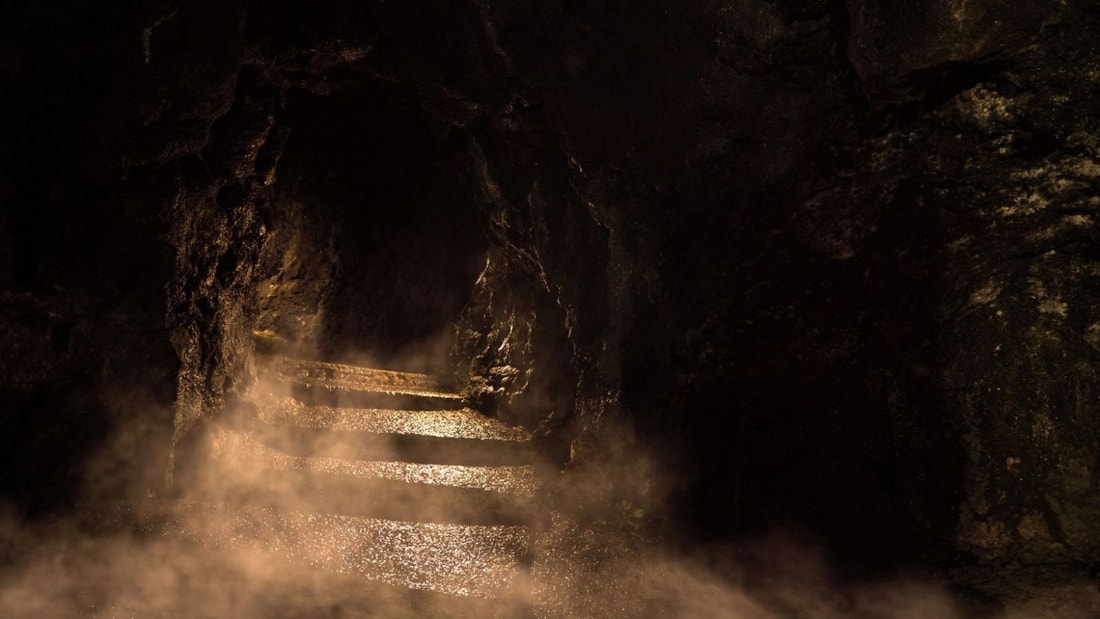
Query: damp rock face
point(834, 261)
point(1001, 183)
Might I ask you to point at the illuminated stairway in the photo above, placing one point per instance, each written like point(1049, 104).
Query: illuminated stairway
point(379, 474)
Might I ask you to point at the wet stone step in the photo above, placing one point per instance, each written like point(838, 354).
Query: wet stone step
point(321, 395)
point(514, 479)
point(461, 423)
point(455, 559)
point(251, 473)
point(353, 445)
point(519, 480)
point(325, 493)
point(336, 376)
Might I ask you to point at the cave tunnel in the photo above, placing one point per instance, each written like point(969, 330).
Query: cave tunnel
point(756, 309)
point(384, 240)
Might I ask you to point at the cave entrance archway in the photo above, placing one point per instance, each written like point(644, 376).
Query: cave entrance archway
point(375, 239)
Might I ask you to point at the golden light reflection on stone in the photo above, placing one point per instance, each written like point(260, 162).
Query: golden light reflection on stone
point(518, 480)
point(338, 376)
point(466, 560)
point(309, 482)
point(464, 423)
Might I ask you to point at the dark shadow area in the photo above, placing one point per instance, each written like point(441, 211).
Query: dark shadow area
point(83, 357)
point(807, 392)
point(380, 230)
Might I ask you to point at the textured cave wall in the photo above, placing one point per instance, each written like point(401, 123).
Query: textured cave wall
point(136, 167)
point(834, 261)
point(839, 255)
point(1003, 166)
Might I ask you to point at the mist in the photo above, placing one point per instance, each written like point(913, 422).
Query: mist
point(241, 536)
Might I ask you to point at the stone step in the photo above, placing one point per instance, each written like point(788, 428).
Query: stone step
point(323, 382)
point(517, 480)
point(369, 498)
point(462, 423)
point(241, 471)
point(338, 398)
point(412, 448)
point(461, 560)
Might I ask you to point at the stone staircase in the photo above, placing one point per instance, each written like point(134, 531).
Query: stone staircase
point(378, 476)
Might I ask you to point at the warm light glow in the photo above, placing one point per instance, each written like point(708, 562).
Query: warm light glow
point(464, 423)
point(353, 378)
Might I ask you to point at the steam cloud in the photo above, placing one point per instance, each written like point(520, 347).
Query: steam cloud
point(66, 569)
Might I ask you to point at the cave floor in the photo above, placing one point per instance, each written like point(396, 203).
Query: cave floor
point(380, 477)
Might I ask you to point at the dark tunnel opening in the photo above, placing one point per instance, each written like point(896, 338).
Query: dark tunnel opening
point(378, 238)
